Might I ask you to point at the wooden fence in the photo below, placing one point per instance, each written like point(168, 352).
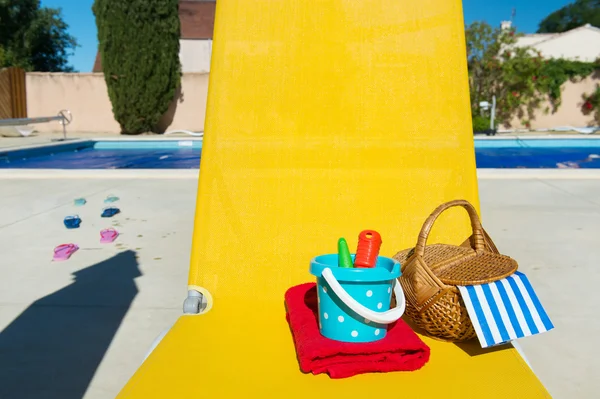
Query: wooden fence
point(13, 96)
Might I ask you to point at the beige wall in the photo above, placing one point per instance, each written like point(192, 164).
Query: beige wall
point(569, 113)
point(85, 95)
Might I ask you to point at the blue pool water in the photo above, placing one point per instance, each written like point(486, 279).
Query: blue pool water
point(560, 153)
point(185, 154)
point(90, 158)
point(530, 158)
point(108, 155)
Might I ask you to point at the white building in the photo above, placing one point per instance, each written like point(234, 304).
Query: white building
point(579, 44)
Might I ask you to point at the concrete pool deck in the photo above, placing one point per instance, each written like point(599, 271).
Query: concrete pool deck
point(75, 332)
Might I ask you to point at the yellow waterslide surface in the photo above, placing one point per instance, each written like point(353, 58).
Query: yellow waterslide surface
point(324, 118)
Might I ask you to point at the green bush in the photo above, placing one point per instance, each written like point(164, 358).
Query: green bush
point(139, 46)
point(480, 124)
point(520, 78)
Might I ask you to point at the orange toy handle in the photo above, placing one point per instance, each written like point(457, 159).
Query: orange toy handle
point(369, 243)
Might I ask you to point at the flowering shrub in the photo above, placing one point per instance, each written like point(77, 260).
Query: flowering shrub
point(520, 78)
point(591, 104)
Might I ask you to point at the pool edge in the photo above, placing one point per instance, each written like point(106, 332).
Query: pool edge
point(482, 174)
point(533, 174)
point(33, 174)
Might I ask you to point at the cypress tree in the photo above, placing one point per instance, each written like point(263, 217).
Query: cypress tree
point(139, 48)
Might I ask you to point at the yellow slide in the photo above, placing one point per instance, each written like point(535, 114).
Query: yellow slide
point(324, 118)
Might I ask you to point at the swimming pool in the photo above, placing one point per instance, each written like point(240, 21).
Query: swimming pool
point(538, 153)
point(491, 153)
point(125, 154)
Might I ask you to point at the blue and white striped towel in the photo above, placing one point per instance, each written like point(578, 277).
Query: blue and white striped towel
point(505, 310)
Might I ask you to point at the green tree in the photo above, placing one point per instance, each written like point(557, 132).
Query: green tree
point(34, 38)
point(498, 68)
point(572, 16)
point(139, 46)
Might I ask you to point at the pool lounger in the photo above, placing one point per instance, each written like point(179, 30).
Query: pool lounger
point(287, 168)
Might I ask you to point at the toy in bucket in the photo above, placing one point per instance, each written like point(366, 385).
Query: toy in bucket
point(369, 243)
point(354, 302)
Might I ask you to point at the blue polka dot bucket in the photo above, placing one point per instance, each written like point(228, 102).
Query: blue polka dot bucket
point(354, 303)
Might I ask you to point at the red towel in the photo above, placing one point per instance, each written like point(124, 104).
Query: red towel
point(400, 350)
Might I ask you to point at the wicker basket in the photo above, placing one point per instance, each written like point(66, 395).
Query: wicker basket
point(430, 274)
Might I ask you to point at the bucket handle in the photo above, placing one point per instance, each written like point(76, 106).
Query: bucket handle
point(386, 317)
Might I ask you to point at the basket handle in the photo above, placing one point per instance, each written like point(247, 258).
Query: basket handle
point(478, 234)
